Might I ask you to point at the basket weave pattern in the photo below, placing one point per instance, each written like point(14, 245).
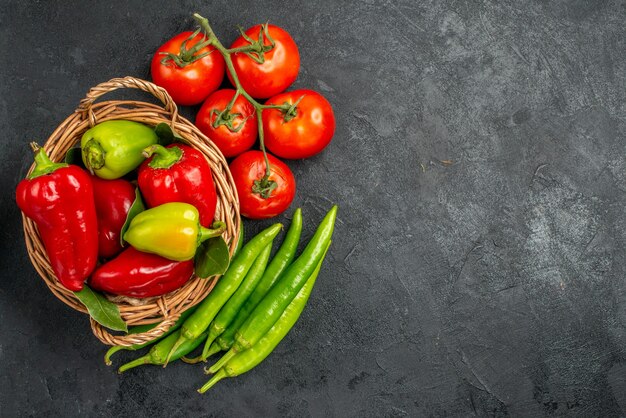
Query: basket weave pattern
point(167, 308)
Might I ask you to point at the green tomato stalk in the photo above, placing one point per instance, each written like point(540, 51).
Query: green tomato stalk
point(256, 51)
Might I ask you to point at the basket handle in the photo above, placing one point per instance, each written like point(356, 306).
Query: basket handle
point(129, 83)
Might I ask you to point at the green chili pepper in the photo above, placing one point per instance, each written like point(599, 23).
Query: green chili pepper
point(144, 328)
point(282, 293)
point(282, 259)
point(229, 310)
point(114, 148)
point(159, 352)
point(239, 240)
point(250, 358)
point(171, 230)
point(197, 323)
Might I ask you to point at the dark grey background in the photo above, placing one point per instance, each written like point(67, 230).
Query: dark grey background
point(479, 165)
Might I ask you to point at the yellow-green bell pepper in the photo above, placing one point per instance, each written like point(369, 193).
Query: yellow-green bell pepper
point(171, 230)
point(114, 148)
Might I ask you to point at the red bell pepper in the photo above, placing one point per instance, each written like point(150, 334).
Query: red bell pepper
point(113, 200)
point(59, 199)
point(137, 274)
point(178, 173)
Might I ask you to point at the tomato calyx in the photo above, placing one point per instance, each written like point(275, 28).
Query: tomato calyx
point(186, 55)
point(226, 118)
point(264, 187)
point(257, 49)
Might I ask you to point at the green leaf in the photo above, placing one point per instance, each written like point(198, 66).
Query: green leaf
point(212, 258)
point(74, 156)
point(103, 311)
point(166, 134)
point(136, 208)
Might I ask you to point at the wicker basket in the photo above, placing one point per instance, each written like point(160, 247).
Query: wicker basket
point(167, 308)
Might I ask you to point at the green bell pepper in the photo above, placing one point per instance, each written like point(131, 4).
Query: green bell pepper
point(171, 230)
point(114, 148)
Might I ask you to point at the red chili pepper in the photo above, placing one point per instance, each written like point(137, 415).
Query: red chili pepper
point(113, 200)
point(140, 275)
point(59, 198)
point(178, 173)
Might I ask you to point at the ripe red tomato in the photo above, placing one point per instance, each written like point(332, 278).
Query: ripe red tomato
point(302, 133)
point(250, 167)
point(279, 70)
point(229, 142)
point(192, 83)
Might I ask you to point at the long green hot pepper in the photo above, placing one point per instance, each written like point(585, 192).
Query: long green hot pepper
point(197, 323)
point(282, 259)
point(282, 293)
point(247, 360)
point(229, 310)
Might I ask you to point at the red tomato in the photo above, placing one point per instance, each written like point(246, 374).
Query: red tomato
point(250, 166)
point(230, 143)
point(279, 70)
point(300, 134)
point(191, 84)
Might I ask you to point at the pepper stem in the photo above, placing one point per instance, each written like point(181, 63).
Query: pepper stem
point(180, 341)
point(163, 157)
point(210, 341)
point(43, 163)
point(193, 360)
point(111, 351)
point(137, 362)
point(214, 349)
point(208, 385)
point(218, 228)
point(221, 362)
point(94, 155)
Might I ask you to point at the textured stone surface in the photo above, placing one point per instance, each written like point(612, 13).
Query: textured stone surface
point(478, 265)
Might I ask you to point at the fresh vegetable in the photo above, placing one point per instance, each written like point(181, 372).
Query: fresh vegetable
point(230, 309)
point(282, 259)
point(258, 198)
point(144, 328)
point(301, 131)
point(271, 67)
point(240, 239)
point(178, 173)
point(157, 354)
point(247, 360)
point(171, 230)
point(233, 129)
point(226, 285)
point(282, 293)
point(114, 148)
point(140, 275)
point(113, 199)
point(188, 68)
point(59, 198)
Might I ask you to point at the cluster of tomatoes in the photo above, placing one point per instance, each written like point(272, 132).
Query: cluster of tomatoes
point(261, 64)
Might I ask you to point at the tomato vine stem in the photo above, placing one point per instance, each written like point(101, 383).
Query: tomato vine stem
point(226, 53)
